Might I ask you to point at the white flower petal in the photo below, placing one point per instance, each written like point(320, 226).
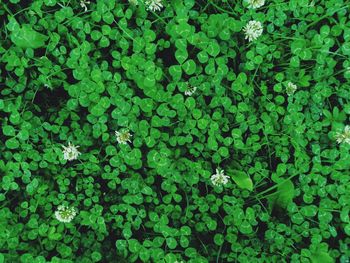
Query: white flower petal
point(343, 137)
point(253, 29)
point(123, 137)
point(154, 5)
point(255, 3)
point(219, 178)
point(65, 214)
point(70, 152)
point(291, 88)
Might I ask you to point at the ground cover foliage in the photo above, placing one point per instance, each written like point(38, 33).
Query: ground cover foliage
point(192, 94)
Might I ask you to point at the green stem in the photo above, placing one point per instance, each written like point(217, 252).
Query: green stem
point(223, 10)
point(325, 16)
point(275, 186)
point(7, 9)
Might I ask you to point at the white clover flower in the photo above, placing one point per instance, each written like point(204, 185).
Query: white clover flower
point(219, 178)
point(70, 152)
point(83, 4)
point(65, 214)
point(190, 91)
point(123, 137)
point(291, 88)
point(255, 3)
point(344, 136)
point(253, 30)
point(154, 5)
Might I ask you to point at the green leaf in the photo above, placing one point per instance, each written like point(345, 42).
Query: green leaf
point(262, 49)
point(12, 143)
point(213, 49)
point(346, 49)
point(23, 135)
point(144, 254)
point(245, 227)
point(347, 229)
point(297, 46)
point(219, 239)
point(283, 196)
point(241, 179)
point(96, 256)
point(185, 230)
point(146, 105)
point(171, 242)
point(31, 188)
point(8, 130)
point(202, 57)
point(121, 244)
point(321, 257)
point(26, 37)
point(134, 245)
point(97, 110)
point(189, 67)
point(149, 82)
point(212, 144)
point(184, 242)
point(64, 250)
point(176, 72)
point(181, 55)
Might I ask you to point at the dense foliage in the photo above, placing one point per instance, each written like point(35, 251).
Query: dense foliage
point(159, 99)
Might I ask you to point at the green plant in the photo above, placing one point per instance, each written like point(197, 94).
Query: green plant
point(174, 131)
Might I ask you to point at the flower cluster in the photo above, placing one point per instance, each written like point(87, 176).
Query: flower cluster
point(83, 4)
point(70, 152)
point(65, 214)
point(190, 91)
point(253, 30)
point(123, 137)
point(343, 137)
point(291, 88)
point(219, 178)
point(154, 5)
point(254, 4)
